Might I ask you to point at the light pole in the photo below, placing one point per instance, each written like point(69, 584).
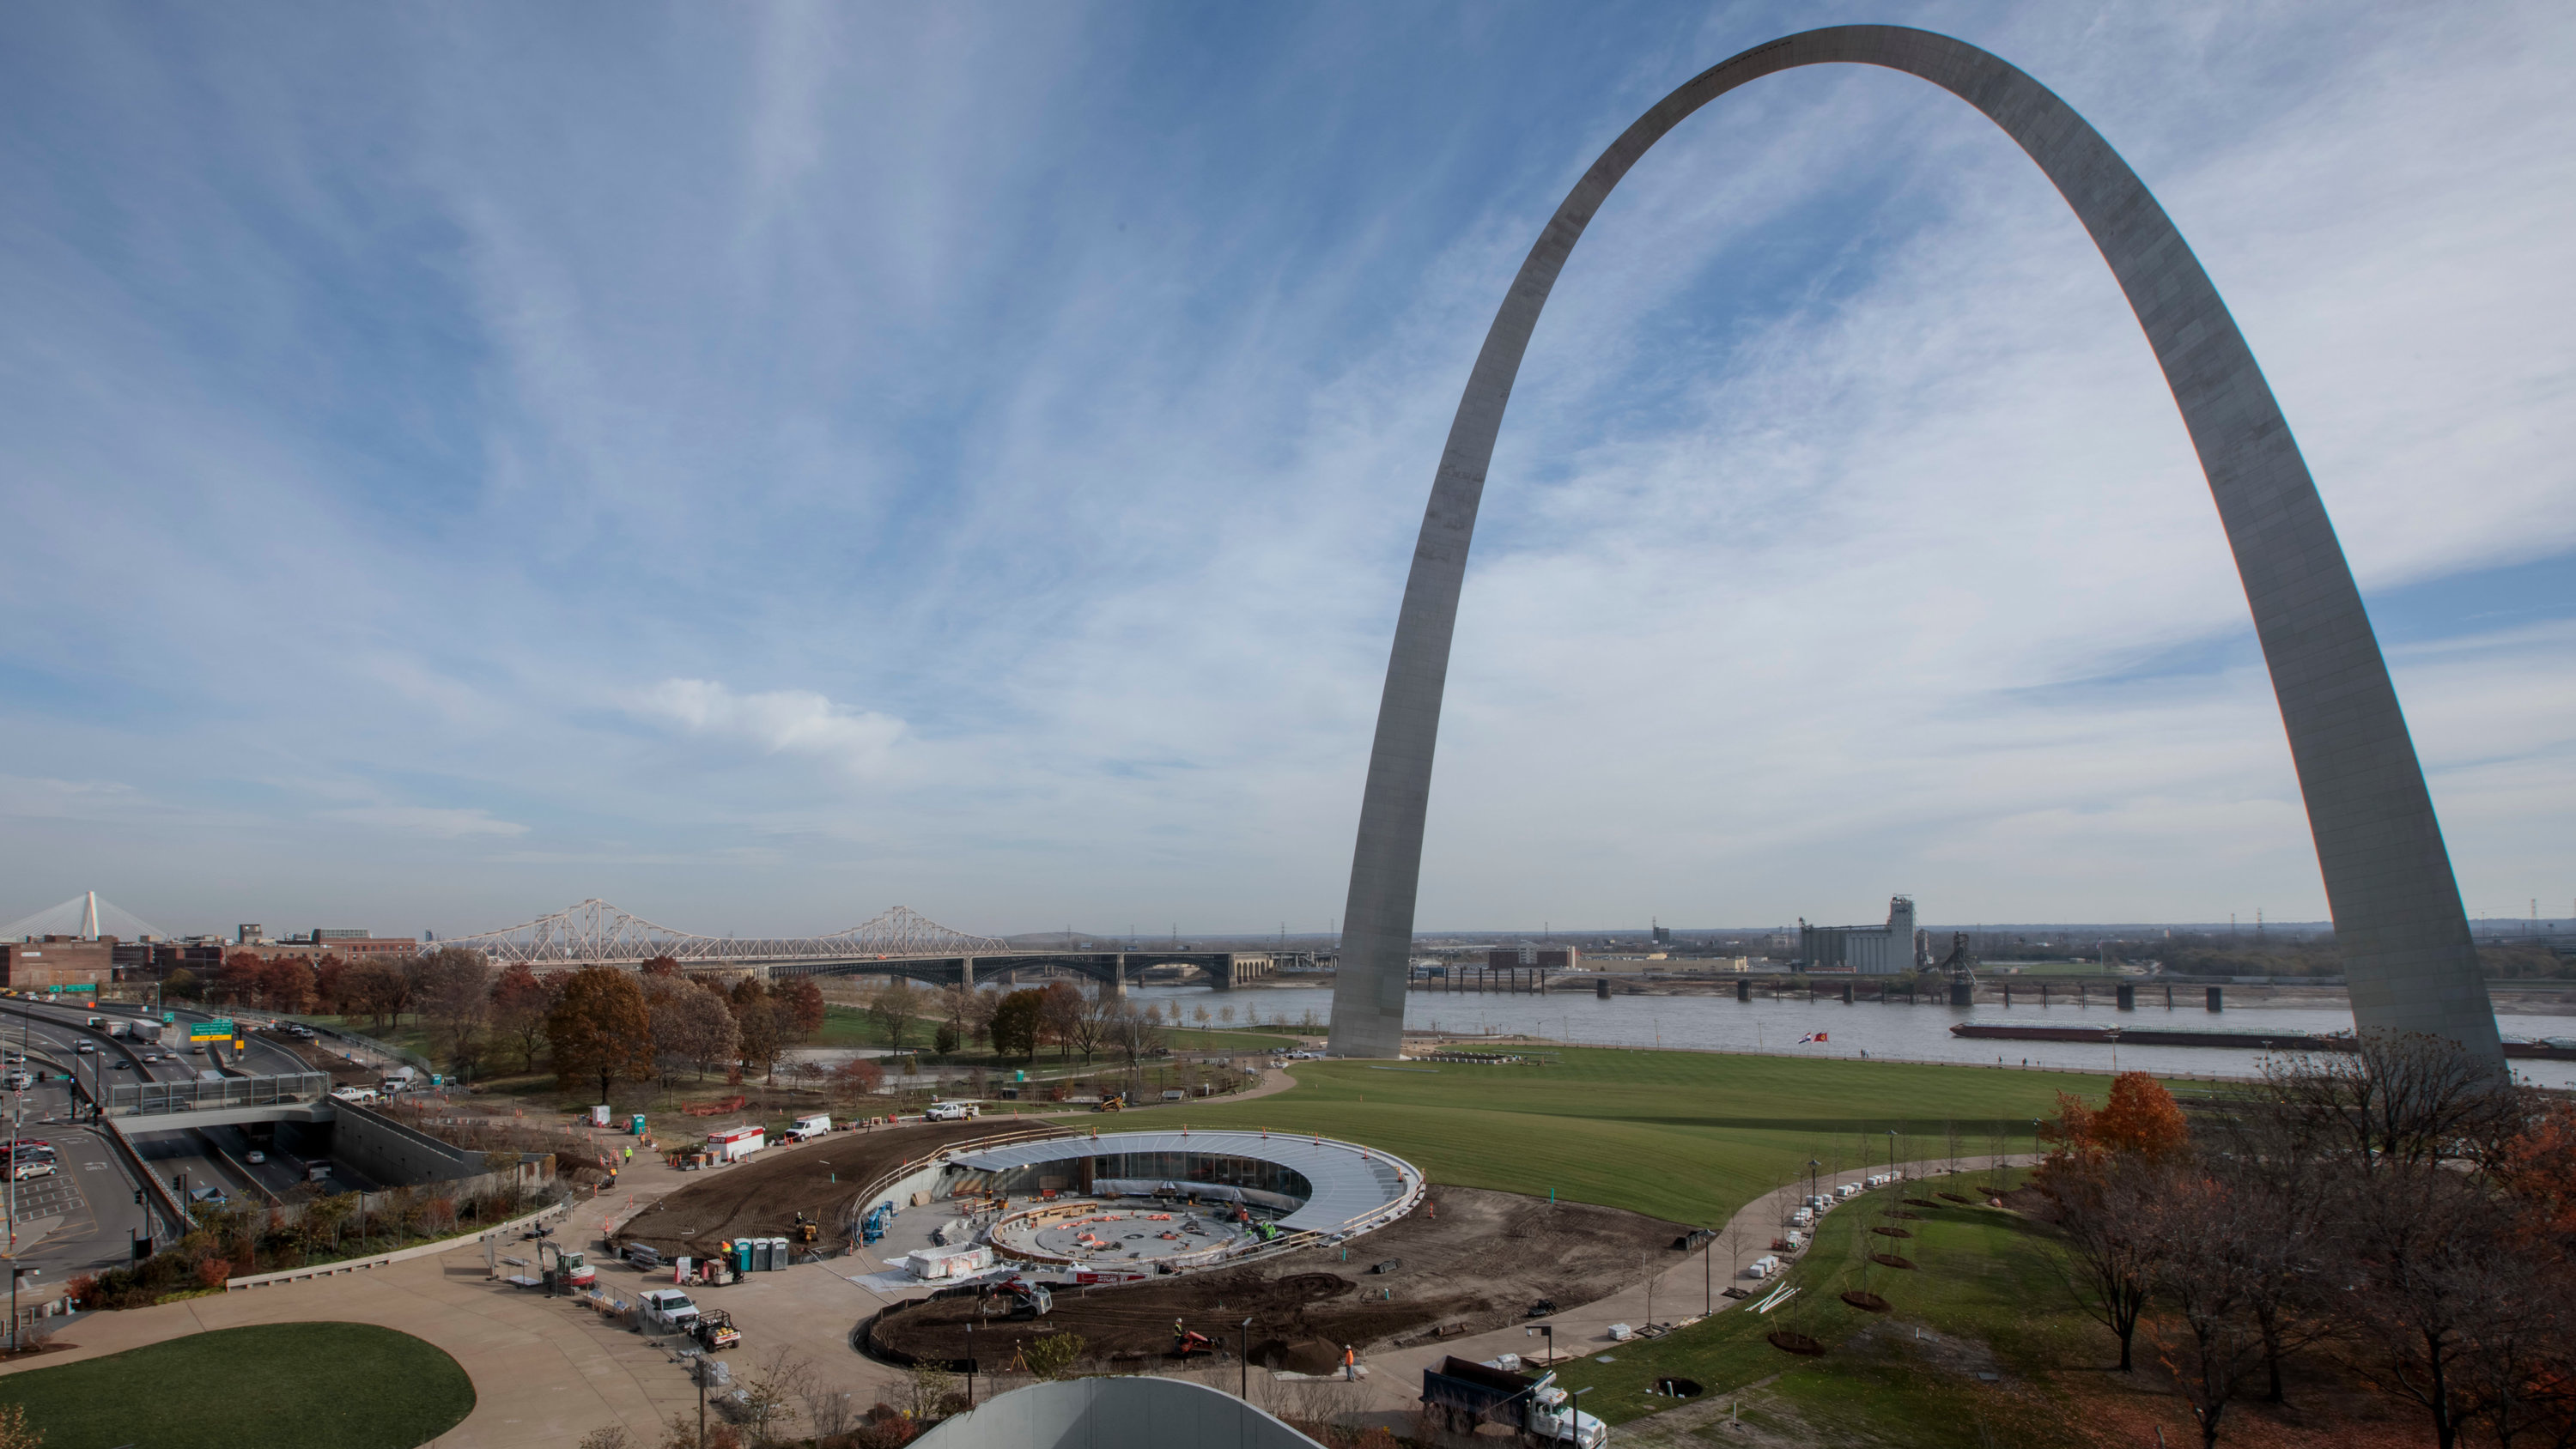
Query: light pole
point(1708, 1270)
point(1243, 1390)
point(14, 1275)
point(970, 1363)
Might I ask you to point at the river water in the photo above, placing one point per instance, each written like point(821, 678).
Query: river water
point(1828, 1028)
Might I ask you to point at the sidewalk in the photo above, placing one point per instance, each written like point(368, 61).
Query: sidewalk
point(1680, 1291)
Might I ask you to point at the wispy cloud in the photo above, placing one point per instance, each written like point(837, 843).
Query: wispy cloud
point(791, 721)
point(762, 470)
point(425, 820)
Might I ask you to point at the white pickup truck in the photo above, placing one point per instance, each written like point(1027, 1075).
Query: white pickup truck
point(951, 1111)
point(666, 1310)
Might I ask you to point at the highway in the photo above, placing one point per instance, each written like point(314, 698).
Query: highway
point(186, 1161)
point(83, 1218)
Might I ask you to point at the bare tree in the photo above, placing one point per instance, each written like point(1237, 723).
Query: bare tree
point(693, 1025)
point(1088, 1026)
point(930, 1387)
point(2105, 1211)
point(455, 991)
point(895, 1007)
point(771, 1390)
point(2206, 1267)
point(1136, 1035)
point(2434, 1255)
point(2400, 1098)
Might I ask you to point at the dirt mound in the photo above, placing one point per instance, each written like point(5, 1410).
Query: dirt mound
point(761, 1197)
point(1476, 1265)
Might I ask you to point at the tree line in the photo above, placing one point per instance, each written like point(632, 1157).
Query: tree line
point(1021, 1023)
point(604, 1025)
point(2402, 1213)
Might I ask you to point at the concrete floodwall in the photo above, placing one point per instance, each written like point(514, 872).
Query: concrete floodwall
point(388, 1151)
point(1114, 1413)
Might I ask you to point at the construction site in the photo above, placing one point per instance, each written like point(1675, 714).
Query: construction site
point(1465, 1261)
point(771, 1193)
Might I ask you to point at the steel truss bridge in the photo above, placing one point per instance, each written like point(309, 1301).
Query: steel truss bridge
point(900, 942)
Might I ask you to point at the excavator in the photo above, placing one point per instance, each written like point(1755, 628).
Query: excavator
point(1187, 1341)
point(1026, 1298)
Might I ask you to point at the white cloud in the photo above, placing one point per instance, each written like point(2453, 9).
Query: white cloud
point(785, 721)
point(40, 798)
point(428, 820)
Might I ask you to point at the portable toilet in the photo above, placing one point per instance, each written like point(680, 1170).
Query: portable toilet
point(777, 1254)
point(742, 1255)
point(761, 1258)
point(635, 1124)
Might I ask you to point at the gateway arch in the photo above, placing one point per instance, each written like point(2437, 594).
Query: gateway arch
point(2404, 937)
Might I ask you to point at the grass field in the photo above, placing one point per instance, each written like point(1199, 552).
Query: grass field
point(1986, 1297)
point(1687, 1136)
point(380, 1390)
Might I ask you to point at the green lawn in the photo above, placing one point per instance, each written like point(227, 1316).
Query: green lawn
point(280, 1386)
point(1688, 1136)
point(1986, 1296)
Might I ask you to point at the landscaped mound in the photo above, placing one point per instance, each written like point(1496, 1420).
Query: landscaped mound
point(332, 1386)
point(1798, 1343)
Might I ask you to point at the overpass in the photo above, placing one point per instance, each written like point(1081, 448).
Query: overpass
point(178, 1106)
point(899, 942)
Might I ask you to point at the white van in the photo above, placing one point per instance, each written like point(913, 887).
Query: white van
point(1762, 1267)
point(809, 1127)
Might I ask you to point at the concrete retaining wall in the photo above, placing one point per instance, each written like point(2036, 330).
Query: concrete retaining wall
point(388, 1151)
point(360, 1265)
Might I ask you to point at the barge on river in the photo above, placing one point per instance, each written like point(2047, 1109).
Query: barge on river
point(2561, 1048)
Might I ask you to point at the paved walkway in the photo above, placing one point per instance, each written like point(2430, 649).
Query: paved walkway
point(1680, 1291)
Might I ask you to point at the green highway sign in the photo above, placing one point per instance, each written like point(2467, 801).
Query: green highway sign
point(216, 1030)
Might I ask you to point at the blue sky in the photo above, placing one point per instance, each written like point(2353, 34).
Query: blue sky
point(761, 465)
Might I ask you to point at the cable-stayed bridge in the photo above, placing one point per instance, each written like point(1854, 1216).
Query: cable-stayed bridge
point(86, 916)
point(898, 942)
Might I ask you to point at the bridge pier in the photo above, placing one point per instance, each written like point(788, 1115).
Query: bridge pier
point(966, 971)
point(1118, 976)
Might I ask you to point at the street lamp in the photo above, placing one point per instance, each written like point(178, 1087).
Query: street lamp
point(14, 1275)
point(970, 1363)
point(1243, 1390)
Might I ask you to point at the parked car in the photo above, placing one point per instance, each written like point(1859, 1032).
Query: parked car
point(37, 1168)
point(255, 1157)
point(85, 1048)
point(209, 1196)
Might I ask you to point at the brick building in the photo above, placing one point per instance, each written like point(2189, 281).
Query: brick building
point(57, 961)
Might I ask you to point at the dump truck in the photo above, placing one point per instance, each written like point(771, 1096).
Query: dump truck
point(1465, 1394)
